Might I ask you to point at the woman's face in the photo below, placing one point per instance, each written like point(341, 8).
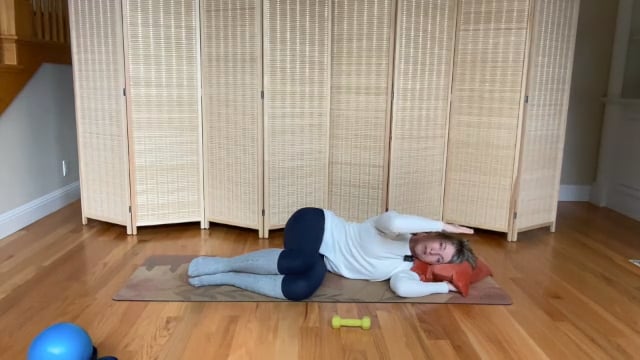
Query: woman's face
point(430, 250)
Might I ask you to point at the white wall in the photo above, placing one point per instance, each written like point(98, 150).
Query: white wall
point(631, 86)
point(37, 132)
point(618, 180)
point(623, 183)
point(596, 31)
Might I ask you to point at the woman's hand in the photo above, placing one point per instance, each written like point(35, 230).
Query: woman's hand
point(452, 228)
point(451, 287)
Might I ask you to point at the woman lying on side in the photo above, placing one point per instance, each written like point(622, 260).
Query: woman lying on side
point(316, 240)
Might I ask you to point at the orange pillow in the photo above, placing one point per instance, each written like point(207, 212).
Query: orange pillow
point(460, 275)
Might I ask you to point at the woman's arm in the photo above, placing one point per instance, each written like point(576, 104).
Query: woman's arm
point(406, 283)
point(393, 223)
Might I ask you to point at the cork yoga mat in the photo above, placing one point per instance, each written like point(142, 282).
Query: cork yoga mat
point(164, 278)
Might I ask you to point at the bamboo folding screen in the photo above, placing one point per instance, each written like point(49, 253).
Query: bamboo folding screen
point(296, 111)
point(360, 108)
point(424, 61)
point(162, 62)
point(232, 109)
point(551, 64)
point(240, 112)
point(485, 105)
point(99, 77)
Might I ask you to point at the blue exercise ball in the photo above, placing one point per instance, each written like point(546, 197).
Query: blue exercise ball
point(61, 341)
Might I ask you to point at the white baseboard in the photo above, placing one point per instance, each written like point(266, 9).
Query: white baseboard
point(14, 220)
point(574, 193)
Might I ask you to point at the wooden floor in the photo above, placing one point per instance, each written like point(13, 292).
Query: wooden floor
point(575, 296)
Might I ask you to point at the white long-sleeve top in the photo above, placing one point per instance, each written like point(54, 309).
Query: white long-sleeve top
point(375, 249)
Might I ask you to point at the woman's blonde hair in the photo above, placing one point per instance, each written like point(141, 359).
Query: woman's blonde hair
point(463, 251)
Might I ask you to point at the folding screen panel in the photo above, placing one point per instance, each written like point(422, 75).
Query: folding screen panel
point(551, 60)
point(360, 93)
point(425, 37)
point(296, 106)
point(162, 61)
point(98, 72)
point(485, 111)
point(232, 111)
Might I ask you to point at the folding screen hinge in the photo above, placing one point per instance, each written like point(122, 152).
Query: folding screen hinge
point(129, 209)
point(124, 91)
point(515, 215)
point(263, 212)
point(262, 94)
point(393, 94)
point(526, 99)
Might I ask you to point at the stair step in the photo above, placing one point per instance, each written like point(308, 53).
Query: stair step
point(11, 68)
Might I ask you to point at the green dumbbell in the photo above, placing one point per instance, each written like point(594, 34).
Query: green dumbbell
point(364, 323)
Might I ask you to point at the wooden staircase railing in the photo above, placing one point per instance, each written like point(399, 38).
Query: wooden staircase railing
point(32, 32)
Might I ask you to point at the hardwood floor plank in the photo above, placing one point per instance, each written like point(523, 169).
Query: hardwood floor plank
point(496, 334)
point(395, 341)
